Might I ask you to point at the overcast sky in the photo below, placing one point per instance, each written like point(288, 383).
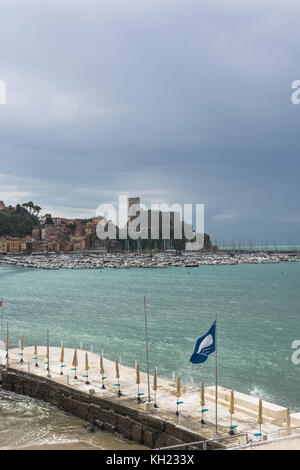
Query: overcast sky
point(178, 101)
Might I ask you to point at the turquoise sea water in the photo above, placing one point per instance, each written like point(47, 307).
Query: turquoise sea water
point(258, 308)
point(262, 247)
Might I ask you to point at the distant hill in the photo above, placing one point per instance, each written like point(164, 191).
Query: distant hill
point(17, 222)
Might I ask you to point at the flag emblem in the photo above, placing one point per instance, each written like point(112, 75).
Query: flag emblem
point(204, 346)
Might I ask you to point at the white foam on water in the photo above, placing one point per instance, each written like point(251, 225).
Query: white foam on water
point(260, 393)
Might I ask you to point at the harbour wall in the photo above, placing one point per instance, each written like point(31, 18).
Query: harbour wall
point(103, 413)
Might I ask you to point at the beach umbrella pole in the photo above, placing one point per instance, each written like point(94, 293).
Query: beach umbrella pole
point(7, 342)
point(202, 416)
point(35, 354)
point(117, 384)
point(147, 349)
point(231, 431)
point(48, 354)
point(138, 394)
point(155, 404)
point(75, 364)
point(21, 350)
point(86, 375)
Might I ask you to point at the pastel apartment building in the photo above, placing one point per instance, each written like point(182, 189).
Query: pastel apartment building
point(3, 245)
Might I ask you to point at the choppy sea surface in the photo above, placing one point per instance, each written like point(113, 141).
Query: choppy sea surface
point(26, 423)
point(258, 319)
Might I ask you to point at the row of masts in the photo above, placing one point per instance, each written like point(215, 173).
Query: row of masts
point(252, 246)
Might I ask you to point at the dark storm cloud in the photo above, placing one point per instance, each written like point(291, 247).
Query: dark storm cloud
point(179, 101)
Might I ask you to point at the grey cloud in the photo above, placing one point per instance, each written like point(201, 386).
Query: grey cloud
point(184, 101)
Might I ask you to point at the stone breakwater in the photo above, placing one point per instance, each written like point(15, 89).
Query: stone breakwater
point(124, 415)
point(136, 260)
point(106, 414)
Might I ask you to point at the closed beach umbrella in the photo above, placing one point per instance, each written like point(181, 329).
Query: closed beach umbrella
point(48, 354)
point(178, 394)
point(178, 391)
point(138, 381)
point(155, 381)
point(288, 422)
point(102, 371)
point(231, 406)
point(117, 370)
point(7, 345)
point(86, 368)
point(35, 353)
point(202, 402)
point(101, 365)
point(202, 395)
point(75, 362)
point(118, 378)
point(231, 411)
point(155, 387)
point(62, 355)
point(22, 348)
point(260, 415)
point(62, 359)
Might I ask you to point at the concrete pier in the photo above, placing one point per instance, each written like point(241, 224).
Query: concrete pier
point(126, 416)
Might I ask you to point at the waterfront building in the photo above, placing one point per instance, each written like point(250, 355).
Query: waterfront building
point(54, 246)
point(80, 243)
point(3, 244)
point(90, 229)
point(36, 233)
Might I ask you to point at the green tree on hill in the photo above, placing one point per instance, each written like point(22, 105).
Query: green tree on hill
point(19, 222)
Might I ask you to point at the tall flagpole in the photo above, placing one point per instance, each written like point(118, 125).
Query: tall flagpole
point(216, 358)
point(7, 345)
point(147, 351)
point(2, 324)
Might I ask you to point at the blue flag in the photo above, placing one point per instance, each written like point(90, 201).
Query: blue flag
point(204, 346)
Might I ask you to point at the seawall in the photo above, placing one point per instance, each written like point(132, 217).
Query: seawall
point(103, 413)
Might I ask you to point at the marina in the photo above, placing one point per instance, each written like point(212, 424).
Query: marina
point(134, 260)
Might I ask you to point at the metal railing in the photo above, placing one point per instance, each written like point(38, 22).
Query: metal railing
point(252, 444)
point(204, 443)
